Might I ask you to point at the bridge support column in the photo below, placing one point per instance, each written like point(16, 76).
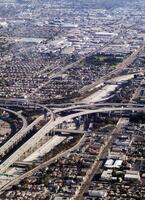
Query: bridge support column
point(59, 126)
point(51, 133)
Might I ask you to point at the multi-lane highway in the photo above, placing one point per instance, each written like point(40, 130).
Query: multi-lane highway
point(60, 70)
point(75, 107)
point(25, 129)
point(127, 62)
point(52, 124)
point(79, 109)
point(41, 166)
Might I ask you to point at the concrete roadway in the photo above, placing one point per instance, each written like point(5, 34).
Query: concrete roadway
point(23, 132)
point(41, 166)
point(52, 125)
point(75, 107)
point(120, 68)
point(69, 131)
point(18, 136)
point(18, 114)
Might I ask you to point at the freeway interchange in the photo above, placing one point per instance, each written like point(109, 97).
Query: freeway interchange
point(72, 94)
point(54, 122)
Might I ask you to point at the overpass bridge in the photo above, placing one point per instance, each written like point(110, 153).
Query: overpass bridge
point(52, 125)
point(79, 108)
point(18, 114)
point(15, 139)
point(69, 131)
